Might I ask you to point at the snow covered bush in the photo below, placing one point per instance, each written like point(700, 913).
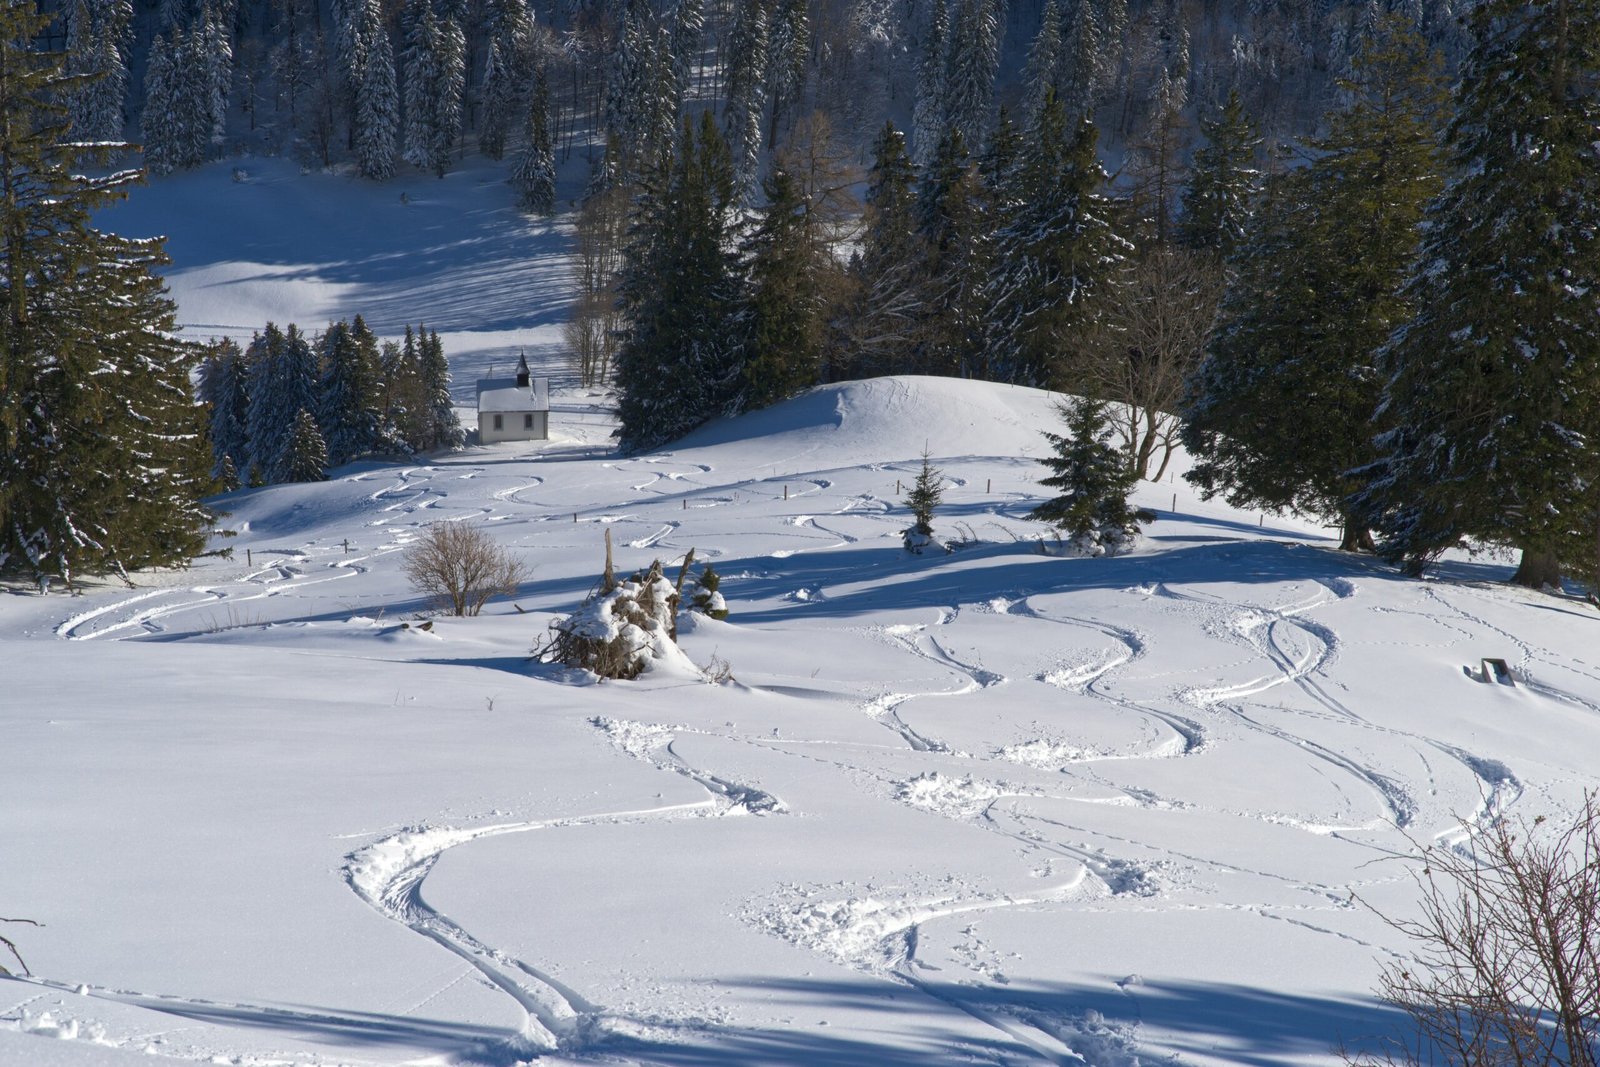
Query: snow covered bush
point(461, 567)
point(621, 631)
point(706, 599)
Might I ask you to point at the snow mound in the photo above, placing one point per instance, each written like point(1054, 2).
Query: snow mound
point(891, 417)
point(958, 798)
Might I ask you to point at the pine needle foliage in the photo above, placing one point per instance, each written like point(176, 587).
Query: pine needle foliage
point(102, 449)
point(1093, 477)
point(926, 494)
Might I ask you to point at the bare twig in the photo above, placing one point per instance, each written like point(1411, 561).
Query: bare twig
point(12, 948)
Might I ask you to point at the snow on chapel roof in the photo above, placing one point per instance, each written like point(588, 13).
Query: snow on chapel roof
point(504, 394)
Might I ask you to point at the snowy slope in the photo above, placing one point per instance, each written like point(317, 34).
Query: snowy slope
point(991, 807)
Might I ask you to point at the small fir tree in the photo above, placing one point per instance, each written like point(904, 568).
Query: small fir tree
point(308, 457)
point(1094, 479)
point(707, 599)
point(926, 494)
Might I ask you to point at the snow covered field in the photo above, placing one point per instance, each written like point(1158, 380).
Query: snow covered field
point(990, 807)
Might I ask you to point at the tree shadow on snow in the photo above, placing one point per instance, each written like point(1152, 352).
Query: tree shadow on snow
point(1109, 1025)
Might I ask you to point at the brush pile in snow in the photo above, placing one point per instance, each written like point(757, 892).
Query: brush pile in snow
point(623, 630)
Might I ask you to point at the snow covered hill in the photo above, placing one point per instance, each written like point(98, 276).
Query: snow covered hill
point(992, 807)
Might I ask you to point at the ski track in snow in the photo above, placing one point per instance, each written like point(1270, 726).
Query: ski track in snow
point(389, 873)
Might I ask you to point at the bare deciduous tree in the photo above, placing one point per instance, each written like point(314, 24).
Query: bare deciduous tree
point(461, 567)
point(1506, 954)
point(1158, 318)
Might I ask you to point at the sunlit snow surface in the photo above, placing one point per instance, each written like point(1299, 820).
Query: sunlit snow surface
point(987, 807)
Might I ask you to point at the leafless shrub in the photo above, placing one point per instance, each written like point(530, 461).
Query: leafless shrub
point(461, 567)
point(1157, 323)
point(12, 948)
point(1506, 954)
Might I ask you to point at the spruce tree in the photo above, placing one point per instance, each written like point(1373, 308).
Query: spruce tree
point(931, 114)
point(782, 317)
point(222, 390)
point(1224, 182)
point(96, 32)
point(499, 94)
point(1043, 73)
point(885, 315)
point(283, 380)
point(102, 451)
point(1280, 412)
point(746, 94)
point(954, 233)
point(443, 428)
point(347, 412)
point(424, 67)
point(679, 291)
point(927, 493)
point(307, 459)
point(156, 123)
point(1094, 480)
point(707, 598)
point(535, 176)
point(377, 102)
point(788, 50)
point(1491, 387)
point(974, 54)
point(1052, 254)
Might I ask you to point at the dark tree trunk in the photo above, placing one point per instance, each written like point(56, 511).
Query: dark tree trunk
point(1538, 570)
point(1356, 538)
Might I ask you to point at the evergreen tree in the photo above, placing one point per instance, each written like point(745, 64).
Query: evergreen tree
point(443, 428)
point(156, 123)
point(788, 49)
point(931, 116)
point(974, 54)
point(427, 144)
point(782, 318)
point(954, 232)
point(1083, 43)
point(1223, 182)
point(679, 288)
point(96, 33)
point(499, 92)
point(927, 493)
point(1043, 73)
point(347, 413)
point(452, 88)
point(1051, 256)
point(102, 452)
point(707, 598)
point(222, 390)
point(535, 176)
point(307, 459)
point(1492, 386)
point(1281, 409)
point(377, 101)
point(747, 94)
point(885, 316)
point(1094, 479)
point(283, 380)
